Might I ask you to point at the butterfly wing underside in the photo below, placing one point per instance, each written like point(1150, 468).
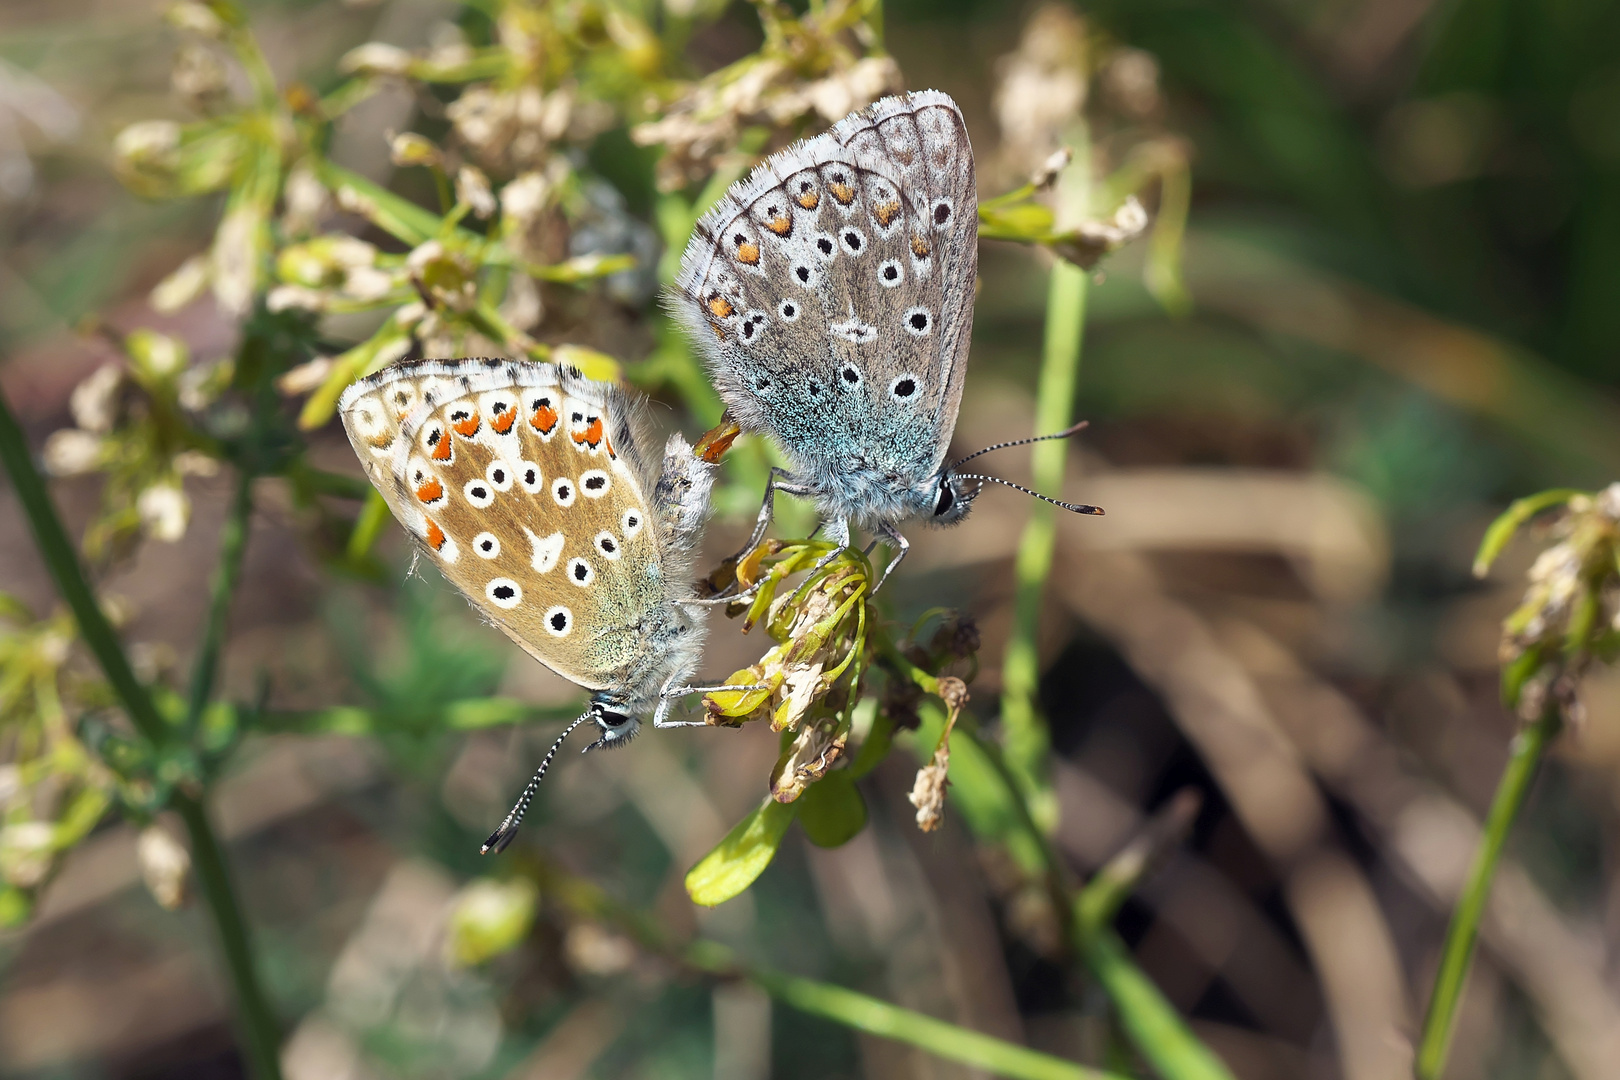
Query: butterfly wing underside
point(523, 483)
point(832, 290)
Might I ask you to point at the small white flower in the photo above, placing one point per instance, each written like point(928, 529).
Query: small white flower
point(94, 402)
point(409, 148)
point(196, 18)
point(164, 511)
point(236, 260)
point(306, 199)
point(164, 865)
point(71, 452)
point(25, 852)
point(368, 283)
point(182, 286)
point(305, 377)
point(288, 297)
point(375, 58)
point(148, 141)
point(472, 188)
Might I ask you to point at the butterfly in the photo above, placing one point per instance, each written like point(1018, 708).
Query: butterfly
point(526, 484)
point(831, 295)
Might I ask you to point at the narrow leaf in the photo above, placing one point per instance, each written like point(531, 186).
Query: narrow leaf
point(741, 857)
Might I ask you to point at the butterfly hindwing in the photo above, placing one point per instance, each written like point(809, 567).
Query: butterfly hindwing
point(832, 290)
point(525, 485)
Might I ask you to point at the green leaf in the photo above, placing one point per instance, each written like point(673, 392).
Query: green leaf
point(1502, 529)
point(831, 810)
point(742, 856)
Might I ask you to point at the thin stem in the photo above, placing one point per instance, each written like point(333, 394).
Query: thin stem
point(256, 1023)
point(1458, 952)
point(63, 561)
point(876, 1017)
point(836, 1003)
point(232, 543)
point(1026, 737)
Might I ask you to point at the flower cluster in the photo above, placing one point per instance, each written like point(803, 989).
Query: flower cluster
point(136, 422)
point(1570, 614)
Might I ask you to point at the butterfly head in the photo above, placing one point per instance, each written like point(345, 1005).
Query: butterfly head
point(951, 498)
point(616, 725)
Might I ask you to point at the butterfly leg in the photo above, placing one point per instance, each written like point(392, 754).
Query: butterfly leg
point(781, 480)
point(671, 694)
point(889, 533)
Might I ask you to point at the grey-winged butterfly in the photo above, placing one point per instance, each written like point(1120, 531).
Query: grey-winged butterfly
point(831, 292)
point(527, 486)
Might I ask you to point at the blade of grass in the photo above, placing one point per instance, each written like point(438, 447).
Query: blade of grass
point(232, 543)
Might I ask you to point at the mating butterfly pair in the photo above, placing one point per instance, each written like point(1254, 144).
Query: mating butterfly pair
point(831, 293)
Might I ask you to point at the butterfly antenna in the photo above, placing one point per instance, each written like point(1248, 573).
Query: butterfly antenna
point(1023, 442)
point(1078, 508)
point(502, 836)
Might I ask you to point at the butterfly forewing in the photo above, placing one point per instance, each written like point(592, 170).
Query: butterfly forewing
point(525, 486)
point(832, 290)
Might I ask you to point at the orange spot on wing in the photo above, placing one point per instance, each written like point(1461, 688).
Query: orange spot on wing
point(719, 332)
point(842, 192)
point(720, 306)
point(612, 453)
point(467, 428)
point(809, 200)
point(592, 435)
point(381, 442)
point(430, 492)
point(441, 449)
point(544, 419)
point(503, 421)
point(920, 248)
point(435, 535)
point(748, 253)
point(886, 212)
point(780, 226)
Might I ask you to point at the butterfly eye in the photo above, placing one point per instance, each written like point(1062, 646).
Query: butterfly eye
point(945, 500)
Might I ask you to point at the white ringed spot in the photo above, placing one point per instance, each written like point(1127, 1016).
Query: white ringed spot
point(788, 311)
point(562, 489)
point(632, 522)
point(890, 273)
point(499, 475)
point(581, 572)
point(608, 545)
point(478, 493)
point(852, 240)
point(529, 476)
point(559, 621)
point(504, 593)
point(904, 388)
point(594, 483)
point(918, 321)
point(487, 545)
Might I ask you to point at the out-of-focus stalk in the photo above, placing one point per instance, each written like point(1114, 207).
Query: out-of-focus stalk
point(1458, 953)
point(1025, 733)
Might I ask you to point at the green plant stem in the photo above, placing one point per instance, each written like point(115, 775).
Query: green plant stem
point(836, 1003)
point(256, 1023)
point(259, 1031)
point(222, 588)
point(1458, 952)
point(944, 1040)
point(1025, 735)
point(1154, 1027)
point(63, 562)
